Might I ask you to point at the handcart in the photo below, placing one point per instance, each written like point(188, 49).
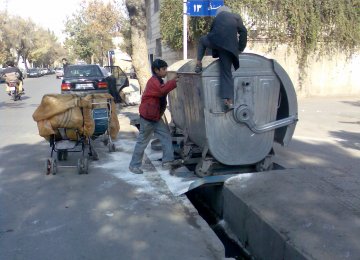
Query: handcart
point(101, 113)
point(71, 122)
point(65, 145)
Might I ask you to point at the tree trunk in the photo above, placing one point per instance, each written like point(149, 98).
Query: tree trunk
point(139, 52)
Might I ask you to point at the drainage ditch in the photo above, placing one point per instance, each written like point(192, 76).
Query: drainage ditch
point(208, 201)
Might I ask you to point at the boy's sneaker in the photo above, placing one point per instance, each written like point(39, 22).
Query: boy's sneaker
point(136, 170)
point(198, 68)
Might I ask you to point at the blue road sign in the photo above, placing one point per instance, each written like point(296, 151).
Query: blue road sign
point(203, 7)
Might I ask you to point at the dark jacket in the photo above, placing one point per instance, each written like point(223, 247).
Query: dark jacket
point(224, 34)
point(153, 101)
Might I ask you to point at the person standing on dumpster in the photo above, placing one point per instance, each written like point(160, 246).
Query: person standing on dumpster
point(152, 107)
point(65, 64)
point(227, 38)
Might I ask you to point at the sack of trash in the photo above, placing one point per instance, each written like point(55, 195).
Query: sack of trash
point(71, 112)
point(11, 77)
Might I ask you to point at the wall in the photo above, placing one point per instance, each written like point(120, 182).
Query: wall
point(153, 28)
point(328, 76)
point(331, 76)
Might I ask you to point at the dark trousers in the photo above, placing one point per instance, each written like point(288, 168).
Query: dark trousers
point(112, 89)
point(225, 62)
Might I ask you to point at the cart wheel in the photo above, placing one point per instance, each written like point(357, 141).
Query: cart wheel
point(54, 167)
point(106, 140)
point(94, 155)
point(50, 166)
point(65, 155)
point(59, 155)
point(86, 166)
point(112, 147)
point(83, 166)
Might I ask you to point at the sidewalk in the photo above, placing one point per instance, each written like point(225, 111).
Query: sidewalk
point(169, 227)
point(108, 214)
point(322, 167)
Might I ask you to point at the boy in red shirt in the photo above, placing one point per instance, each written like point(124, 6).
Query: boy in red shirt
point(152, 107)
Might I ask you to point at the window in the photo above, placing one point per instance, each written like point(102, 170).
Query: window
point(156, 6)
point(158, 52)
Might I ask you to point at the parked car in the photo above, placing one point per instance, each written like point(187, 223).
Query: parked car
point(59, 72)
point(91, 78)
point(34, 73)
point(122, 80)
point(2, 80)
point(44, 71)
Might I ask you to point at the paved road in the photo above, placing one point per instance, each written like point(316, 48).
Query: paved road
point(112, 214)
point(327, 135)
point(108, 214)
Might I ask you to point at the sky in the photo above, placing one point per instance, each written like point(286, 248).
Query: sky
point(45, 13)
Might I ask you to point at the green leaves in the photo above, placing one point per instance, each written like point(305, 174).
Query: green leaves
point(307, 26)
point(23, 38)
point(91, 30)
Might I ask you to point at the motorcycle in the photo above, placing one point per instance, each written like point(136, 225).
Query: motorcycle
point(13, 81)
point(14, 90)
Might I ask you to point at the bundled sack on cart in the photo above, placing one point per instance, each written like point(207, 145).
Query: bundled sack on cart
point(64, 111)
point(71, 112)
point(101, 101)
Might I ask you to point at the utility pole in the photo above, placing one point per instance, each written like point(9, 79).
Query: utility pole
point(185, 30)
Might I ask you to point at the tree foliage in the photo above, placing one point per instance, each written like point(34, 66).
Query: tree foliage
point(23, 38)
point(307, 26)
point(91, 30)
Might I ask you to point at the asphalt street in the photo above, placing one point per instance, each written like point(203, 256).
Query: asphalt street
point(107, 214)
point(112, 214)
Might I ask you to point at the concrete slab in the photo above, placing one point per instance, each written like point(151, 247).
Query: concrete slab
point(295, 213)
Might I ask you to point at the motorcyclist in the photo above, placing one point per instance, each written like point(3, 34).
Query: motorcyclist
point(10, 70)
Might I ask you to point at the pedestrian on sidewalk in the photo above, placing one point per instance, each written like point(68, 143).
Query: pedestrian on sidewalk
point(227, 38)
point(152, 108)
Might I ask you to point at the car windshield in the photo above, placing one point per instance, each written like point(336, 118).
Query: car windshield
point(82, 71)
point(33, 70)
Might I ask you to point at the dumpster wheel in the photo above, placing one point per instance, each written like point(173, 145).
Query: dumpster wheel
point(265, 164)
point(204, 168)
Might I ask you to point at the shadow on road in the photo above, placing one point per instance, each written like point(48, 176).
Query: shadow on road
point(353, 103)
point(51, 216)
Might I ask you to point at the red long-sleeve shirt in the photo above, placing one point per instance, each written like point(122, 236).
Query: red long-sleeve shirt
point(150, 101)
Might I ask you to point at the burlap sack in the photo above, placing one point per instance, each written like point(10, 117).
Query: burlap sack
point(54, 104)
point(11, 77)
point(72, 112)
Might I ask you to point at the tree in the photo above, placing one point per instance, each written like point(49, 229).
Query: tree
point(5, 53)
point(23, 38)
point(45, 49)
point(139, 53)
point(91, 30)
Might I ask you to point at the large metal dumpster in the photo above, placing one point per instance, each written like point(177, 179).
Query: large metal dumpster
point(265, 110)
